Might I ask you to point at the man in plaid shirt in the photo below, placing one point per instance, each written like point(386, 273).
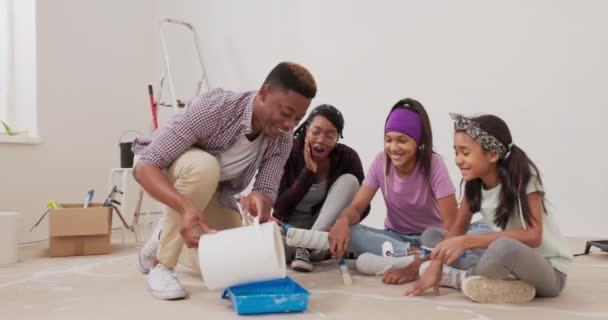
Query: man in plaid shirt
point(206, 155)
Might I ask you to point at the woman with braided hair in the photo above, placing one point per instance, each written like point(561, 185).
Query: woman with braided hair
point(321, 178)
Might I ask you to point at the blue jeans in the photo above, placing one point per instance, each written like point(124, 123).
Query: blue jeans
point(367, 239)
point(479, 227)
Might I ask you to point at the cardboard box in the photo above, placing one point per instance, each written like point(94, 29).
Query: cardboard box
point(76, 231)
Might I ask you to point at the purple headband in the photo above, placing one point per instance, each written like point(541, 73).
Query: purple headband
point(406, 122)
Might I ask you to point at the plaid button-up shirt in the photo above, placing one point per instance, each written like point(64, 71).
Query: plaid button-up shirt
point(213, 122)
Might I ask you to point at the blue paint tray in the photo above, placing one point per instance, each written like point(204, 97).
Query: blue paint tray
point(273, 296)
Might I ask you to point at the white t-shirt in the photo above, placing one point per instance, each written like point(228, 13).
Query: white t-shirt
point(553, 246)
point(235, 160)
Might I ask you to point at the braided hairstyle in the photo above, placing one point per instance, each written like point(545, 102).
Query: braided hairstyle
point(329, 112)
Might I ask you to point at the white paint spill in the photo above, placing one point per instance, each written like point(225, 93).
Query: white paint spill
point(81, 269)
point(478, 316)
point(603, 315)
point(280, 300)
point(45, 281)
point(61, 309)
point(62, 289)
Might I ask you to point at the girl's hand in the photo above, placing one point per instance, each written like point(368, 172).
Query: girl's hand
point(339, 236)
point(429, 279)
point(449, 250)
point(308, 161)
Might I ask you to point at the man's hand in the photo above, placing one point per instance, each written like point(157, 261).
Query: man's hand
point(191, 219)
point(339, 236)
point(257, 204)
point(308, 161)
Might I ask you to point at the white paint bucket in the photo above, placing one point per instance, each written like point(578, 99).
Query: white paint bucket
point(240, 255)
point(8, 237)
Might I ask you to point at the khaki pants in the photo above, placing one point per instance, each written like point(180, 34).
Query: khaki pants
point(195, 174)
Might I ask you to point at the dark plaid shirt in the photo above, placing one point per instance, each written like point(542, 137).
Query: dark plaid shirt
point(213, 122)
point(297, 179)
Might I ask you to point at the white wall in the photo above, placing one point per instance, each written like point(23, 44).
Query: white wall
point(539, 65)
point(94, 61)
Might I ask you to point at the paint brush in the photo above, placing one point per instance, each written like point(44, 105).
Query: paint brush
point(348, 280)
point(426, 251)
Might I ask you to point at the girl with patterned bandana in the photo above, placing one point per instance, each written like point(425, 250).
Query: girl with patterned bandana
point(527, 255)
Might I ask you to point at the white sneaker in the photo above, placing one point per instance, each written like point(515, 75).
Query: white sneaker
point(163, 284)
point(450, 277)
point(147, 254)
point(371, 264)
point(486, 290)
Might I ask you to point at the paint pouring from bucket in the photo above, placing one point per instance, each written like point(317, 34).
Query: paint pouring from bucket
point(241, 255)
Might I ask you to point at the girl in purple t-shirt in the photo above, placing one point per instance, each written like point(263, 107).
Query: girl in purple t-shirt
point(417, 191)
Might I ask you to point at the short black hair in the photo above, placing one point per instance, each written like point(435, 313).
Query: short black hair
point(294, 77)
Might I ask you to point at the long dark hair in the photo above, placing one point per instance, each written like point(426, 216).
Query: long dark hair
point(329, 112)
point(514, 173)
point(424, 153)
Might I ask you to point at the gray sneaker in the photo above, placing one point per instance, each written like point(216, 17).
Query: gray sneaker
point(301, 262)
point(486, 290)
